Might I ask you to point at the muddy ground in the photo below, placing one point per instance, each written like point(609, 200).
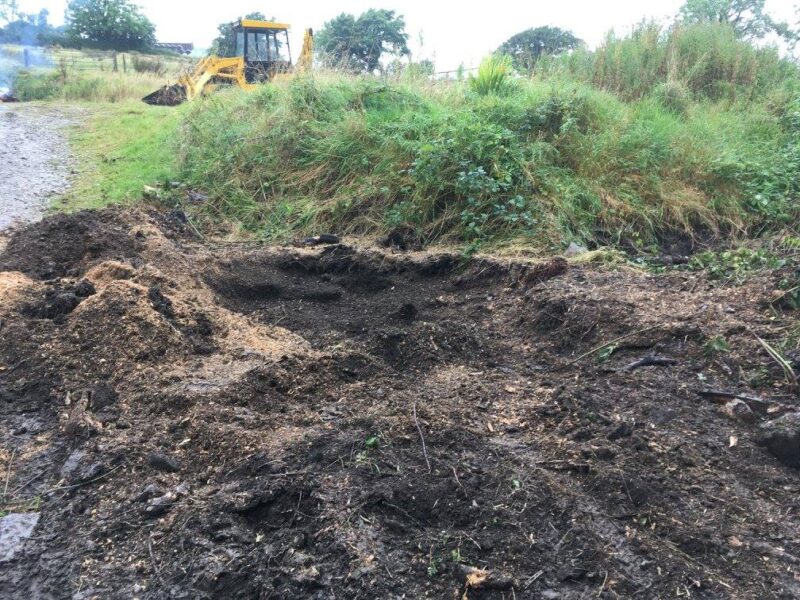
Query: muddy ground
point(35, 158)
point(241, 422)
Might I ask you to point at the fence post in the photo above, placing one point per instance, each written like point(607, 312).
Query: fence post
point(27, 56)
point(116, 67)
point(124, 65)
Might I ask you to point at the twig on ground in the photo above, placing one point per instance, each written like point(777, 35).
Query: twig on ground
point(650, 361)
point(783, 295)
point(21, 487)
point(757, 405)
point(458, 481)
point(60, 488)
point(788, 371)
point(8, 475)
point(422, 437)
point(156, 569)
point(607, 344)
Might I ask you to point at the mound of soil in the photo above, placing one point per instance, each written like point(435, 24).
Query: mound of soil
point(345, 423)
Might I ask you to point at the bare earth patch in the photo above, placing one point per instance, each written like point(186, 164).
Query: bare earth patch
point(191, 422)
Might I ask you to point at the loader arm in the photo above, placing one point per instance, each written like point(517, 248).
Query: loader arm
point(306, 58)
point(213, 67)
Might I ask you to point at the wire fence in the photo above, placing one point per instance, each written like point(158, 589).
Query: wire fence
point(94, 61)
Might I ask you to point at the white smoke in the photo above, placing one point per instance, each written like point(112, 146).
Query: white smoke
point(14, 58)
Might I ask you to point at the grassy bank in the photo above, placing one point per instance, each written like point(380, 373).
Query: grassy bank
point(683, 131)
point(120, 149)
point(662, 133)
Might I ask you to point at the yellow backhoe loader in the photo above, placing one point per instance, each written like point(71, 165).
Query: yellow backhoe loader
point(262, 53)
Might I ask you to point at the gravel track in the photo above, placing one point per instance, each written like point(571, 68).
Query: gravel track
point(35, 159)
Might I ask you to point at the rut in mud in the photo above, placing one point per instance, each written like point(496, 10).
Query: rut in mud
point(194, 422)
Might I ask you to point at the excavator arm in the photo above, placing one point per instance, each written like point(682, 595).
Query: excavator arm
point(208, 71)
point(304, 62)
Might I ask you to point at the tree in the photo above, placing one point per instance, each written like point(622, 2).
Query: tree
point(30, 30)
point(360, 43)
point(747, 17)
point(225, 43)
point(42, 18)
point(109, 24)
point(9, 11)
point(526, 47)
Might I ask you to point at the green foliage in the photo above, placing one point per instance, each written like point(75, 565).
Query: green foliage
point(587, 150)
point(716, 345)
point(606, 353)
point(145, 64)
point(494, 76)
point(358, 44)
point(526, 47)
point(747, 17)
point(673, 96)
point(28, 29)
point(123, 147)
point(109, 24)
point(225, 42)
point(9, 10)
point(548, 161)
point(73, 86)
point(30, 85)
point(434, 565)
point(709, 60)
point(735, 264)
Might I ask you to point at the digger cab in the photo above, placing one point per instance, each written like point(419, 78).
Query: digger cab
point(264, 46)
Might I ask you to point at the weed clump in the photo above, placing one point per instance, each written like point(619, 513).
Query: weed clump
point(493, 77)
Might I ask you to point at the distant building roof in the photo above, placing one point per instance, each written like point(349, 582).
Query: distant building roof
point(175, 47)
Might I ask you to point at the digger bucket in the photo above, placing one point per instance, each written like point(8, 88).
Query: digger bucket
point(169, 95)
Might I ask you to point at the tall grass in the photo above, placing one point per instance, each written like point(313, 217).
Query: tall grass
point(555, 160)
point(71, 86)
point(684, 130)
point(493, 77)
point(709, 61)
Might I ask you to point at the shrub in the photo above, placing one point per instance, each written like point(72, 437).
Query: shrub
point(673, 96)
point(153, 66)
point(494, 76)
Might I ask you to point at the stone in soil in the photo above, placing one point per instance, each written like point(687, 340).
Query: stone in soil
point(15, 529)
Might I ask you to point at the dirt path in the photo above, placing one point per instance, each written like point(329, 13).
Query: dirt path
point(35, 160)
point(181, 421)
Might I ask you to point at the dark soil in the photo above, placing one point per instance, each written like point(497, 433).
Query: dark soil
point(169, 95)
point(353, 423)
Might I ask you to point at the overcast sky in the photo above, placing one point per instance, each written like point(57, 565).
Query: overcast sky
point(449, 32)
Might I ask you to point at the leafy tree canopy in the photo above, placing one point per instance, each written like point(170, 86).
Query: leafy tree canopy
point(30, 30)
point(526, 47)
point(360, 43)
point(225, 42)
point(9, 10)
point(109, 24)
point(747, 17)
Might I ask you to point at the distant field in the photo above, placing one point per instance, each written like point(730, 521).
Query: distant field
point(94, 61)
point(86, 75)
